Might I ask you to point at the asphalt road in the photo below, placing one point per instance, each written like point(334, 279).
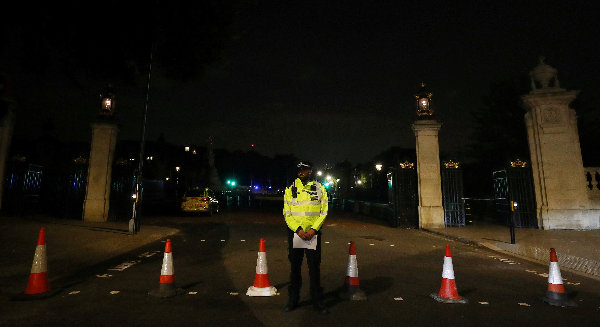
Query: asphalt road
point(215, 259)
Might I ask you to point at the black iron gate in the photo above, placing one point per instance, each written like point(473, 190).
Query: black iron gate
point(515, 185)
point(403, 188)
point(452, 194)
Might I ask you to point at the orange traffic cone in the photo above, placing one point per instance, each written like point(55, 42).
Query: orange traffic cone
point(448, 292)
point(351, 289)
point(38, 279)
point(556, 290)
point(261, 286)
point(167, 281)
point(38, 286)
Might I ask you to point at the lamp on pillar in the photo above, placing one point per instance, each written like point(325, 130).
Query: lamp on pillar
point(107, 103)
point(423, 97)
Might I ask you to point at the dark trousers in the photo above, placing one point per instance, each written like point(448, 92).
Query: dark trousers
point(313, 258)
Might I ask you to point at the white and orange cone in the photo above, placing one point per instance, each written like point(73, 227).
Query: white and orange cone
point(448, 292)
point(167, 277)
point(555, 295)
point(261, 286)
point(351, 289)
point(38, 279)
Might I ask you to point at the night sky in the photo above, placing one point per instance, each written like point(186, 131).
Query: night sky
point(325, 80)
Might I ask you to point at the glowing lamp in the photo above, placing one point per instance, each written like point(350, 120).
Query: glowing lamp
point(423, 97)
point(107, 103)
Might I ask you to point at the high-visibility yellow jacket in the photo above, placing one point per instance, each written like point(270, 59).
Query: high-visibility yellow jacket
point(308, 208)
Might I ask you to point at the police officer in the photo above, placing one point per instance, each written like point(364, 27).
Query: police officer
point(305, 208)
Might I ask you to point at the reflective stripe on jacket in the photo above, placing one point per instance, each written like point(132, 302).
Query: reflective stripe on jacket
point(309, 208)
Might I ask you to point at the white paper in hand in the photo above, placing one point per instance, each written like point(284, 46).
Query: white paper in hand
point(302, 244)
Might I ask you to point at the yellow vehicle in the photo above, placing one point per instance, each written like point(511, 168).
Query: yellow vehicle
point(199, 200)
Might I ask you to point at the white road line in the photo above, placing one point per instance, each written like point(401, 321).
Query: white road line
point(371, 244)
point(192, 293)
point(114, 292)
point(485, 303)
point(391, 244)
point(523, 304)
point(327, 242)
point(234, 293)
point(242, 240)
point(398, 299)
point(74, 292)
point(104, 276)
point(125, 265)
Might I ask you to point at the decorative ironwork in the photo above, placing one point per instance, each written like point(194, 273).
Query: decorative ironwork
point(407, 165)
point(403, 195)
point(518, 163)
point(515, 184)
point(453, 195)
point(451, 164)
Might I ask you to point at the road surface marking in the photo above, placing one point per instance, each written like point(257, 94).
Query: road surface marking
point(398, 299)
point(327, 242)
point(148, 254)
point(104, 276)
point(74, 292)
point(234, 293)
point(202, 240)
point(222, 240)
point(569, 283)
point(242, 240)
point(371, 244)
point(523, 304)
point(114, 292)
point(192, 293)
point(391, 244)
point(125, 265)
point(484, 303)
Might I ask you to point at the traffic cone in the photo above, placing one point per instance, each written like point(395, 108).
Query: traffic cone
point(38, 279)
point(448, 292)
point(351, 289)
point(555, 295)
point(38, 286)
point(261, 286)
point(166, 287)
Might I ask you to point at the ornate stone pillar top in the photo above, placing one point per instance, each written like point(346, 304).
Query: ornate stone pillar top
point(544, 78)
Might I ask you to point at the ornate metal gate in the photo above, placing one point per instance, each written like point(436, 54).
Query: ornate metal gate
point(452, 194)
point(515, 185)
point(402, 181)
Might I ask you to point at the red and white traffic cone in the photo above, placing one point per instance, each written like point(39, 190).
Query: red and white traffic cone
point(261, 286)
point(351, 289)
point(448, 292)
point(166, 287)
point(38, 279)
point(555, 295)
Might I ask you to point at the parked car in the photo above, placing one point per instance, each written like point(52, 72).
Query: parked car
point(200, 200)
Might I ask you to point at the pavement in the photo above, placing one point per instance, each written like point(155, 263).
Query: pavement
point(578, 251)
point(74, 246)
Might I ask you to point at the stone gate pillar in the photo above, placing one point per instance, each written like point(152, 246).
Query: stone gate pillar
point(558, 174)
point(104, 139)
point(7, 120)
point(431, 212)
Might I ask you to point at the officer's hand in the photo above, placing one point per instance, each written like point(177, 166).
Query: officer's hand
point(302, 234)
point(309, 235)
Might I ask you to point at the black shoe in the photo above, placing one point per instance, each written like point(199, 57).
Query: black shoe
point(320, 308)
point(290, 306)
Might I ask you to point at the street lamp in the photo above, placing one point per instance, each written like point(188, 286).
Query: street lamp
point(107, 104)
point(423, 97)
point(378, 166)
